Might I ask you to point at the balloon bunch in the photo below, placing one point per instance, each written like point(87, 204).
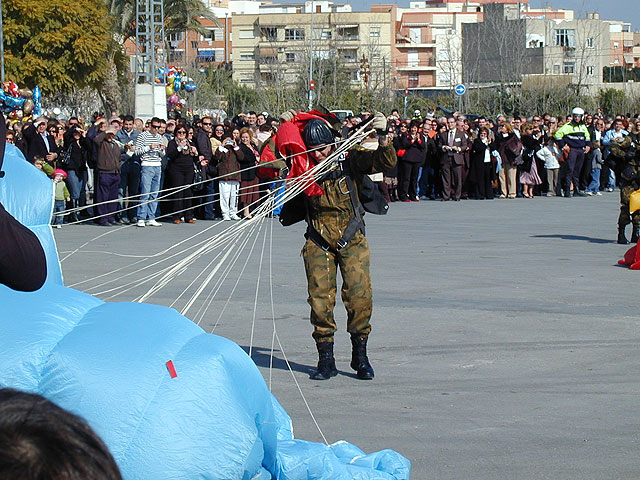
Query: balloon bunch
point(20, 103)
point(176, 81)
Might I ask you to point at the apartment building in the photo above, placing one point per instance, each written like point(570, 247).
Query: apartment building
point(276, 47)
point(427, 46)
point(504, 47)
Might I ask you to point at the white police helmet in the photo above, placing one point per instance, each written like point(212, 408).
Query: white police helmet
point(577, 111)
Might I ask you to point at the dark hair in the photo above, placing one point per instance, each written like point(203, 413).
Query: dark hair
point(156, 120)
point(128, 118)
point(483, 130)
point(41, 441)
point(251, 112)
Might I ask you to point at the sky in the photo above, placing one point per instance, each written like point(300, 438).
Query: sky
point(625, 10)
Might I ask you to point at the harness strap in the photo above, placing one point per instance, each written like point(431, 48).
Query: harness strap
point(355, 224)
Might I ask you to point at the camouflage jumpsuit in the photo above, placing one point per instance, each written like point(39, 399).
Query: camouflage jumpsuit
point(626, 189)
point(631, 170)
point(329, 214)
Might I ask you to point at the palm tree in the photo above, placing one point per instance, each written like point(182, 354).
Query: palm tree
point(180, 15)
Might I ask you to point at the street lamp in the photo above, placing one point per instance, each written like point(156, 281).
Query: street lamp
point(311, 82)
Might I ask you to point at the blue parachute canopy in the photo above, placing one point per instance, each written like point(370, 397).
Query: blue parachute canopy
point(107, 362)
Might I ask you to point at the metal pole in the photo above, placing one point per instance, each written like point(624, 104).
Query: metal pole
point(311, 58)
point(1, 45)
point(226, 39)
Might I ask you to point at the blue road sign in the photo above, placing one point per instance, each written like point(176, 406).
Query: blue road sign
point(461, 89)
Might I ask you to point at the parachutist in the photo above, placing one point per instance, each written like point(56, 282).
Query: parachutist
point(333, 208)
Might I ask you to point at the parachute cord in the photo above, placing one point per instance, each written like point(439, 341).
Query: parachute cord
point(202, 311)
point(255, 301)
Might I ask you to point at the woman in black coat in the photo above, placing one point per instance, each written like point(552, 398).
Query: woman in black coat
point(409, 164)
point(73, 160)
point(482, 168)
point(180, 171)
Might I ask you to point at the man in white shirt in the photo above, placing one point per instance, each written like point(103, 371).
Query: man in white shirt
point(150, 147)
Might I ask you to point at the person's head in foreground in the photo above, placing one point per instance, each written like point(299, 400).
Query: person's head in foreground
point(41, 441)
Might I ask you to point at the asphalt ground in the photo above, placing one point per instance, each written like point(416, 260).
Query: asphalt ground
point(505, 338)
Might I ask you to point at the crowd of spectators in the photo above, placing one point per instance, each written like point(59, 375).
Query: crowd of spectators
point(115, 170)
point(450, 157)
point(459, 157)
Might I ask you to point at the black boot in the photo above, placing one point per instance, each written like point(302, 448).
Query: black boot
point(359, 361)
point(622, 239)
point(635, 235)
point(326, 362)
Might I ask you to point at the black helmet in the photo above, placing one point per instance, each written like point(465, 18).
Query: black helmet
point(316, 132)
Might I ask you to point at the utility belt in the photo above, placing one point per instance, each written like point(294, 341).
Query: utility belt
point(356, 223)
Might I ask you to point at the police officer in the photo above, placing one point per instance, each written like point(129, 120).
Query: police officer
point(573, 137)
point(335, 239)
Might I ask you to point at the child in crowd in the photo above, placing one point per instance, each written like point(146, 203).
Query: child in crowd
point(61, 196)
point(227, 161)
point(550, 154)
point(596, 170)
point(43, 166)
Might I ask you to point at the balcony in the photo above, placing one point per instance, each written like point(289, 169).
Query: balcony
point(421, 65)
point(416, 46)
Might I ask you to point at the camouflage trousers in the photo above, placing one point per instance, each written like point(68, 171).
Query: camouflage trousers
point(625, 217)
point(321, 268)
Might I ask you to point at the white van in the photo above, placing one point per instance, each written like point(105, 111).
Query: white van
point(342, 114)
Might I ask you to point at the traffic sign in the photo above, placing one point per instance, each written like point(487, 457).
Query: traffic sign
point(312, 85)
point(460, 89)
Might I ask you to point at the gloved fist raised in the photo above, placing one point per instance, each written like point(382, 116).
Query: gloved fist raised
point(379, 122)
point(288, 115)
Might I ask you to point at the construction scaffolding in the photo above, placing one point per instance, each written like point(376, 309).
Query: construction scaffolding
point(150, 59)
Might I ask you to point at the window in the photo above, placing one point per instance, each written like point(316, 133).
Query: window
point(247, 56)
point(414, 80)
point(347, 33)
point(349, 55)
point(565, 37)
point(415, 35)
point(176, 37)
point(269, 33)
point(374, 32)
point(616, 45)
point(291, 57)
point(294, 34)
point(591, 70)
point(246, 34)
point(590, 42)
point(268, 59)
point(215, 34)
point(569, 68)
point(413, 58)
point(322, 54)
point(267, 77)
point(556, 69)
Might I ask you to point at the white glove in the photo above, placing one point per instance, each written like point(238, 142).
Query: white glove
point(288, 115)
point(379, 121)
